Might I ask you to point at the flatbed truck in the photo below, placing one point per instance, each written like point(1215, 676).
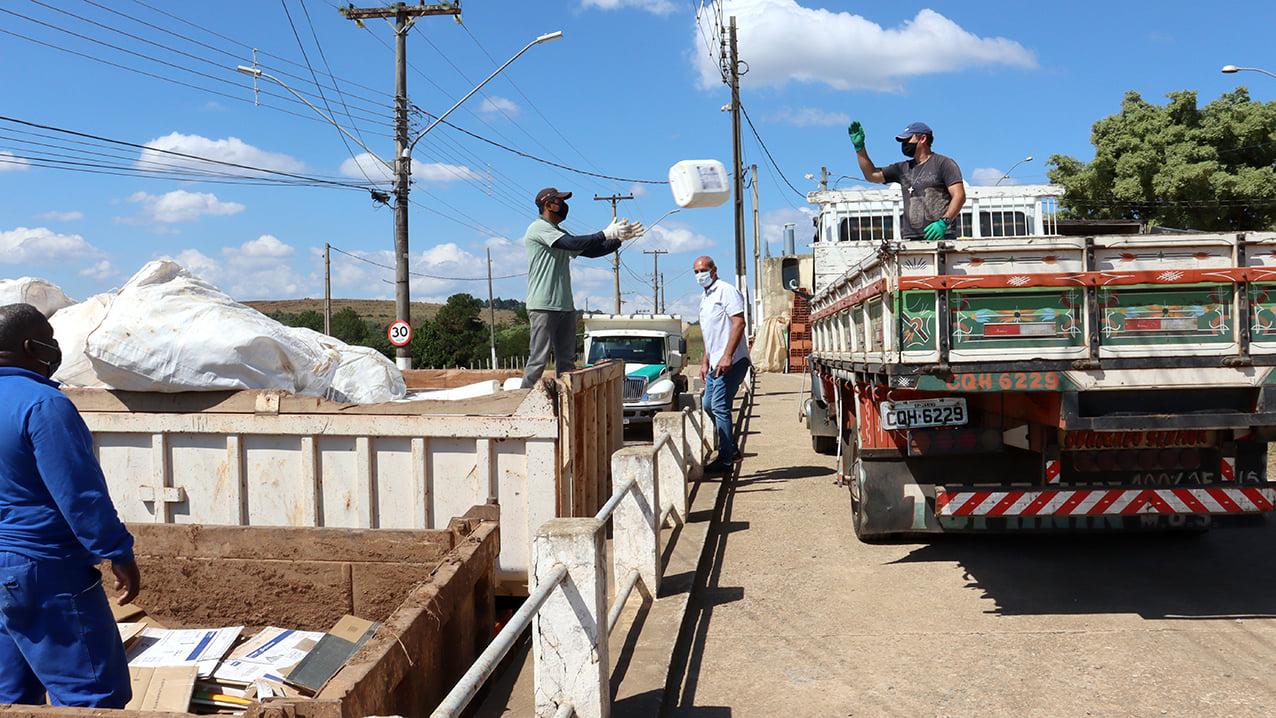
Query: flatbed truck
point(1049, 382)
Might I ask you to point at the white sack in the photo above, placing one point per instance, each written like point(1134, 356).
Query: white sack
point(364, 375)
point(167, 330)
point(770, 346)
point(41, 294)
point(71, 327)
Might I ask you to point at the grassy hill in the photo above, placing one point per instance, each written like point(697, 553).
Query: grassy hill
point(380, 311)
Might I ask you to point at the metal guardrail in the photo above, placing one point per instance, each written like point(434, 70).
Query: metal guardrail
point(573, 558)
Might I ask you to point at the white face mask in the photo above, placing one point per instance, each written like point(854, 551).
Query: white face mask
point(704, 279)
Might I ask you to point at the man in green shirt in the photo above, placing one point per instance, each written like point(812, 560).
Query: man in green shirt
point(550, 251)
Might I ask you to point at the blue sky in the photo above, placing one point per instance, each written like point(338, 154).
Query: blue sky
point(626, 92)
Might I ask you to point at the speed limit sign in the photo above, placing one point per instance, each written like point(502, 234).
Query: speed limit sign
point(400, 333)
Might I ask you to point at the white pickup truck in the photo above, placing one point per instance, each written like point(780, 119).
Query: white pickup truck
point(653, 349)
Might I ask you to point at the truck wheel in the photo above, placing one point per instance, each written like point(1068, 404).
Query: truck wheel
point(859, 519)
point(826, 445)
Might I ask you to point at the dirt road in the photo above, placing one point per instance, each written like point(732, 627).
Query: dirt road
point(800, 619)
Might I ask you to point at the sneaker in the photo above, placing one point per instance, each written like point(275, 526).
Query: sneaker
point(718, 468)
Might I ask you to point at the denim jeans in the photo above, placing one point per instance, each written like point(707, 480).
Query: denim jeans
point(719, 394)
point(57, 635)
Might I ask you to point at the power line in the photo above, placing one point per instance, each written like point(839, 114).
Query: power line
point(175, 153)
point(768, 153)
point(163, 78)
point(301, 46)
point(152, 58)
point(422, 274)
point(551, 163)
point(246, 46)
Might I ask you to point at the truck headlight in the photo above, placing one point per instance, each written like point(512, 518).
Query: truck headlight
point(660, 391)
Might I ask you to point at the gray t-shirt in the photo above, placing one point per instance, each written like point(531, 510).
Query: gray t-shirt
point(926, 192)
point(549, 270)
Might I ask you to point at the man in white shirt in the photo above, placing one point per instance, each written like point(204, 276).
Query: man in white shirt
point(726, 356)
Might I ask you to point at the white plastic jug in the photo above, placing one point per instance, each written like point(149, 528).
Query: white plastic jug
point(699, 183)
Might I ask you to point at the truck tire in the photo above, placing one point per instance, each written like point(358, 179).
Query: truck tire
point(826, 445)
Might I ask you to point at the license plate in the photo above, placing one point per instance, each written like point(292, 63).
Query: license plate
point(922, 413)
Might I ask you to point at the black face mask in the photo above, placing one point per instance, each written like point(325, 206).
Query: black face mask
point(562, 210)
point(908, 148)
point(52, 364)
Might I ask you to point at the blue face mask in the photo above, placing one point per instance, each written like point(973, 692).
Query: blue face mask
point(704, 279)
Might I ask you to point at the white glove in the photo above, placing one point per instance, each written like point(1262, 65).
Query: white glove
point(618, 229)
point(635, 230)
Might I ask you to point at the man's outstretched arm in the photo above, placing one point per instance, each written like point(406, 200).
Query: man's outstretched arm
point(587, 245)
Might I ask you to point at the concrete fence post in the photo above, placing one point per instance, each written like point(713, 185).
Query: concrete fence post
point(569, 633)
point(635, 536)
point(671, 461)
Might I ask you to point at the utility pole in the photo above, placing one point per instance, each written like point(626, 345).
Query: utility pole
point(404, 17)
point(741, 268)
point(615, 258)
point(736, 152)
point(491, 308)
point(655, 277)
point(662, 293)
point(327, 289)
point(757, 250)
point(824, 178)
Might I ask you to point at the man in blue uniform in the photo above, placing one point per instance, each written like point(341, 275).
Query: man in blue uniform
point(57, 634)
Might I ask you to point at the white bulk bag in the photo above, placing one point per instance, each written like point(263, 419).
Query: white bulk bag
point(43, 295)
point(167, 330)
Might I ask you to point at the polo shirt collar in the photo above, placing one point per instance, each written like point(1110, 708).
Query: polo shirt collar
point(26, 373)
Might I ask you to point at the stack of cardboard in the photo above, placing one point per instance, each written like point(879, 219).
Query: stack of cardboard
point(217, 671)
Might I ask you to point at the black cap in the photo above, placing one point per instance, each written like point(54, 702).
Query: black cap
point(549, 193)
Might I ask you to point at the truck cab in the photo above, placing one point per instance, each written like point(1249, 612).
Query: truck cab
point(653, 348)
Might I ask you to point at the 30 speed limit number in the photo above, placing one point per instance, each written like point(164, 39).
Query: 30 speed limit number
point(399, 333)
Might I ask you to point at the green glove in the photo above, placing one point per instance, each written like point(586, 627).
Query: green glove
point(857, 135)
point(935, 230)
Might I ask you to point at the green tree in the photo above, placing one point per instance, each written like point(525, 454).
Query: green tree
point(349, 327)
point(310, 319)
point(1178, 165)
point(456, 336)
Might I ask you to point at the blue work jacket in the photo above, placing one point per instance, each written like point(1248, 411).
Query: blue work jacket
point(54, 503)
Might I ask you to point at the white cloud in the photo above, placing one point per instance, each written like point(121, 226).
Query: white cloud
point(673, 237)
point(809, 117)
point(182, 206)
point(497, 104)
point(256, 269)
point(10, 162)
point(56, 216)
point(365, 164)
point(847, 51)
point(638, 190)
point(231, 149)
point(442, 172)
point(198, 263)
point(101, 271)
point(40, 245)
point(656, 7)
point(988, 176)
point(266, 246)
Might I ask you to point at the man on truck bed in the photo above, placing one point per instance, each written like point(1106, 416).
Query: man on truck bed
point(550, 251)
point(933, 192)
point(57, 522)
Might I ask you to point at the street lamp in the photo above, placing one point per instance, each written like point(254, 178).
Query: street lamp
point(401, 169)
point(1012, 169)
point(1232, 69)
